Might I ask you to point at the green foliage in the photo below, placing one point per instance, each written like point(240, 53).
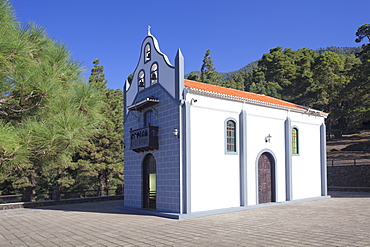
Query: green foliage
point(97, 77)
point(363, 32)
point(193, 76)
point(46, 111)
point(237, 82)
point(284, 74)
point(244, 71)
point(100, 161)
point(357, 92)
point(11, 152)
point(345, 51)
point(332, 75)
point(59, 132)
point(208, 72)
point(331, 79)
point(307, 78)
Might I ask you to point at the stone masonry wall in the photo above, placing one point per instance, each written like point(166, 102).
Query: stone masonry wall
point(349, 176)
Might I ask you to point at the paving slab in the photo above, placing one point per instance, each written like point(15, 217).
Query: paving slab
point(343, 220)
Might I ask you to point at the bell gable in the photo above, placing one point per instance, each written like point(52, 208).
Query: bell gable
point(153, 67)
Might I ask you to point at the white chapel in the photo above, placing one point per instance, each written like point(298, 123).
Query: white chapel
point(194, 149)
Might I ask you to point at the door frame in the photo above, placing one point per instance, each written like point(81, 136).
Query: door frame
point(274, 184)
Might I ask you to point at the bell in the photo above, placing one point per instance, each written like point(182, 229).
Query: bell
point(154, 76)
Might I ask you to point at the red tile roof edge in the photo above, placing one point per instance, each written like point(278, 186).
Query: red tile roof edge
point(242, 94)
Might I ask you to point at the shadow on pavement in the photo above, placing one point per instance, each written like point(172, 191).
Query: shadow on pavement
point(116, 206)
point(110, 207)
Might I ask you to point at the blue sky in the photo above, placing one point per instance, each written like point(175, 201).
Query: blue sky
point(237, 32)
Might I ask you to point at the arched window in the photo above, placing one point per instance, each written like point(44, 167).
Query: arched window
point(154, 74)
point(148, 118)
point(141, 80)
point(295, 141)
point(230, 136)
point(147, 54)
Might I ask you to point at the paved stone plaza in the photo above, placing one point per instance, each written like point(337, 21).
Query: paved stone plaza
point(343, 220)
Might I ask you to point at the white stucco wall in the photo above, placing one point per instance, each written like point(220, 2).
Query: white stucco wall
point(306, 175)
point(215, 176)
point(261, 122)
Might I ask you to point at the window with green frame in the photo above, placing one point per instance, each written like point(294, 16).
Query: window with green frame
point(295, 141)
point(230, 135)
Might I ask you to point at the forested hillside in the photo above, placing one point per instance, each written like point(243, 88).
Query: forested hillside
point(50, 117)
point(346, 51)
point(332, 79)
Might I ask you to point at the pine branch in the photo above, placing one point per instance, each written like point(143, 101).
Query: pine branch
point(9, 57)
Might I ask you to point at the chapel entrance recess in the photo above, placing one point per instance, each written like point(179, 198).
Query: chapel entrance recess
point(149, 182)
point(266, 178)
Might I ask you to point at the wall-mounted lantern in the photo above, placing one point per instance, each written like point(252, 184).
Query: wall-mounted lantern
point(175, 132)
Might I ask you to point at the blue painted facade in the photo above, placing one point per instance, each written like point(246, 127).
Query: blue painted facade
point(165, 115)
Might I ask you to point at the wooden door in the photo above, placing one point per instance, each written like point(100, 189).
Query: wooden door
point(264, 179)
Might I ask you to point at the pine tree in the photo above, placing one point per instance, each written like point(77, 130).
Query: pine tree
point(357, 92)
point(363, 33)
point(46, 112)
point(208, 72)
point(97, 77)
point(101, 161)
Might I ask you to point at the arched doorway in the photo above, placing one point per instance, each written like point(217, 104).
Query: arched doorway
point(149, 182)
point(266, 178)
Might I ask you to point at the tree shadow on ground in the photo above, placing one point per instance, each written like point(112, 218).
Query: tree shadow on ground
point(110, 207)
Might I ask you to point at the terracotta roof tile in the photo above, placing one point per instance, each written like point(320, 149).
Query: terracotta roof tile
point(241, 94)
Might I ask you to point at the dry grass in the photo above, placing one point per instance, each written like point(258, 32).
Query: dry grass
point(349, 148)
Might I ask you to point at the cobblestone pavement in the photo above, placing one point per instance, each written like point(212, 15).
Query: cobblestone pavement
point(343, 220)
